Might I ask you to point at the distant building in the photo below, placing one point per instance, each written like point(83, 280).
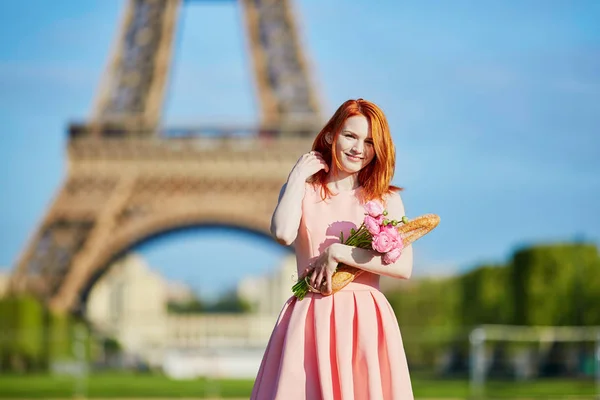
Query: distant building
point(179, 292)
point(129, 304)
point(268, 293)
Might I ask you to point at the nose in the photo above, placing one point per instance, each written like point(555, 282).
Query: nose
point(359, 147)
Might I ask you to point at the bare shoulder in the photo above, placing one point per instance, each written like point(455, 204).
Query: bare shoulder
point(394, 205)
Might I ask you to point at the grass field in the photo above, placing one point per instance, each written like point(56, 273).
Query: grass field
point(140, 386)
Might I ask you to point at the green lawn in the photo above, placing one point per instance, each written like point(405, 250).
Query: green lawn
point(121, 385)
point(156, 386)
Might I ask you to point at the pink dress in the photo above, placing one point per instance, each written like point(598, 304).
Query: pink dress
point(345, 346)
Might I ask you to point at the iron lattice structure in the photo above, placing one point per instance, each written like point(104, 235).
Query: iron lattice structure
point(129, 180)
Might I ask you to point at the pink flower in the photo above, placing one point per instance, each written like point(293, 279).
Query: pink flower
point(392, 230)
point(384, 241)
point(392, 256)
point(374, 208)
point(373, 225)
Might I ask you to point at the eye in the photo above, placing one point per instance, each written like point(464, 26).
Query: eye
point(369, 142)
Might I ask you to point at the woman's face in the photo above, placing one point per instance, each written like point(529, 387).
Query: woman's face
point(354, 146)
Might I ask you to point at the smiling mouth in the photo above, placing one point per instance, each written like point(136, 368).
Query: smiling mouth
point(354, 158)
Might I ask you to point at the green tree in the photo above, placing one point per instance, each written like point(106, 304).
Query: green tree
point(428, 314)
point(191, 306)
point(487, 296)
point(553, 283)
point(589, 309)
point(59, 339)
point(22, 320)
point(229, 302)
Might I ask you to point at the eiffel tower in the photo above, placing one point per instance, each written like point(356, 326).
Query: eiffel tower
point(129, 179)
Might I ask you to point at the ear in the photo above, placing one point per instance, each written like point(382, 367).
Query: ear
point(329, 137)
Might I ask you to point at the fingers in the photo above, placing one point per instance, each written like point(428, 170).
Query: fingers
point(317, 161)
point(316, 279)
point(328, 284)
point(319, 279)
point(321, 160)
point(314, 154)
point(319, 164)
point(311, 154)
point(318, 155)
point(313, 278)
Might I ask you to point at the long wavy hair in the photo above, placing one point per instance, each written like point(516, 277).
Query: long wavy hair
point(376, 177)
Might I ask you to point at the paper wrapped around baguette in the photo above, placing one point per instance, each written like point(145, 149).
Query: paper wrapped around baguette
point(410, 231)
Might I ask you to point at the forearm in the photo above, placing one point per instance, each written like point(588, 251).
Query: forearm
point(371, 261)
point(287, 214)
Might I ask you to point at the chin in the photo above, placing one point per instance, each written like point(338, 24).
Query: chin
point(351, 169)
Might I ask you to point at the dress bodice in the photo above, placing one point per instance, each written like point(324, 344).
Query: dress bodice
point(322, 222)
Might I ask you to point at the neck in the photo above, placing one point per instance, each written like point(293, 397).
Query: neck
point(342, 181)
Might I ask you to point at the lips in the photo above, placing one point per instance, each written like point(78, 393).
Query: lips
point(353, 158)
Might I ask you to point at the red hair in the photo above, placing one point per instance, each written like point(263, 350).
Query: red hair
point(376, 177)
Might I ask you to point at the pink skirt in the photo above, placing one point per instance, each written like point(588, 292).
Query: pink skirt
point(345, 346)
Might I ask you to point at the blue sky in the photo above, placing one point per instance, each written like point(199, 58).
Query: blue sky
point(494, 108)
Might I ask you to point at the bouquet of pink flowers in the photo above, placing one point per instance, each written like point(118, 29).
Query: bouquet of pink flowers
point(381, 234)
point(376, 232)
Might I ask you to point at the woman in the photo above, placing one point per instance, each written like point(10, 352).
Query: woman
point(346, 345)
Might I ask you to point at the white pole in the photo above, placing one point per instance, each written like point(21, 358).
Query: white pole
point(477, 368)
point(598, 365)
point(213, 388)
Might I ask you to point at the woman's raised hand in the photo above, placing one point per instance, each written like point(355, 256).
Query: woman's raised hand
point(307, 165)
